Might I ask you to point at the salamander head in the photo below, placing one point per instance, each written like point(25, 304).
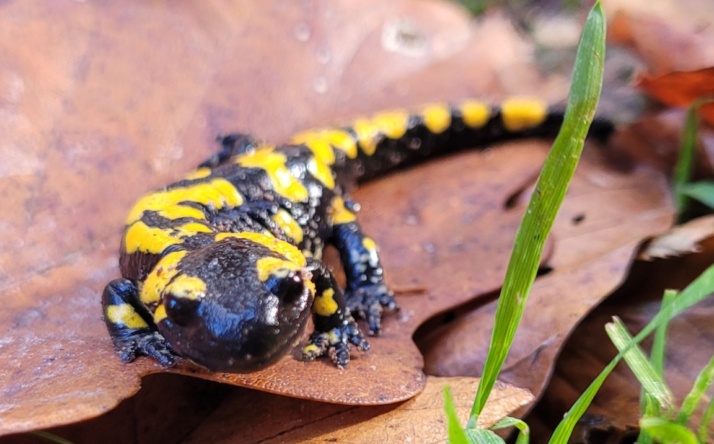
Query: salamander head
point(236, 305)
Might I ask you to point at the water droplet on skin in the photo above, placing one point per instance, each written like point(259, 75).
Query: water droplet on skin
point(403, 36)
point(302, 32)
point(319, 85)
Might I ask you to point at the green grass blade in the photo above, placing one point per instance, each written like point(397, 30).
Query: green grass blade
point(663, 430)
point(562, 433)
point(685, 162)
point(659, 343)
point(546, 199)
point(650, 407)
point(701, 384)
point(695, 292)
point(453, 428)
point(646, 374)
point(483, 436)
point(649, 404)
point(524, 432)
point(51, 437)
point(701, 191)
point(707, 417)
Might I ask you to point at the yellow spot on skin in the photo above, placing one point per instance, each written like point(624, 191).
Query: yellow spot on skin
point(199, 173)
point(159, 314)
point(217, 193)
point(188, 287)
point(285, 249)
point(340, 214)
point(289, 225)
point(520, 114)
point(310, 287)
point(273, 266)
point(142, 238)
point(437, 118)
point(317, 143)
point(322, 142)
point(192, 228)
point(124, 314)
point(369, 244)
point(273, 163)
point(321, 172)
point(325, 304)
point(475, 114)
point(159, 278)
point(390, 124)
point(152, 240)
point(311, 350)
point(371, 247)
point(179, 211)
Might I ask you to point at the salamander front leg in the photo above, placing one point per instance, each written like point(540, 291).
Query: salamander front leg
point(335, 328)
point(129, 324)
point(367, 294)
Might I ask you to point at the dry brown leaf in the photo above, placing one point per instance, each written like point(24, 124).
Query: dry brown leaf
point(682, 239)
point(420, 419)
point(682, 89)
point(173, 408)
point(665, 36)
point(113, 100)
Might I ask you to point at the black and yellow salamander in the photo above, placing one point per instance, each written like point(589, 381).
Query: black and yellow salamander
point(223, 267)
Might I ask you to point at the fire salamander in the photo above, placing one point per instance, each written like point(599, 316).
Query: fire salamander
point(223, 267)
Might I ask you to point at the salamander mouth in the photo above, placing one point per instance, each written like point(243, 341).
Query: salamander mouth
point(292, 336)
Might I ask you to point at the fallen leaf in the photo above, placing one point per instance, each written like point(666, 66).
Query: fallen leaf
point(682, 239)
point(682, 89)
point(173, 408)
point(669, 36)
point(421, 419)
point(112, 101)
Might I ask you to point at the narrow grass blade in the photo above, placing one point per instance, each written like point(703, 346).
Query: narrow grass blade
point(685, 162)
point(663, 430)
point(649, 378)
point(453, 428)
point(649, 404)
point(483, 436)
point(51, 437)
point(701, 384)
point(695, 292)
point(707, 417)
point(701, 191)
point(524, 432)
point(546, 199)
point(659, 343)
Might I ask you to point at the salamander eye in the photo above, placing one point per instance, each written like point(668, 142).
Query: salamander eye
point(288, 288)
point(180, 310)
